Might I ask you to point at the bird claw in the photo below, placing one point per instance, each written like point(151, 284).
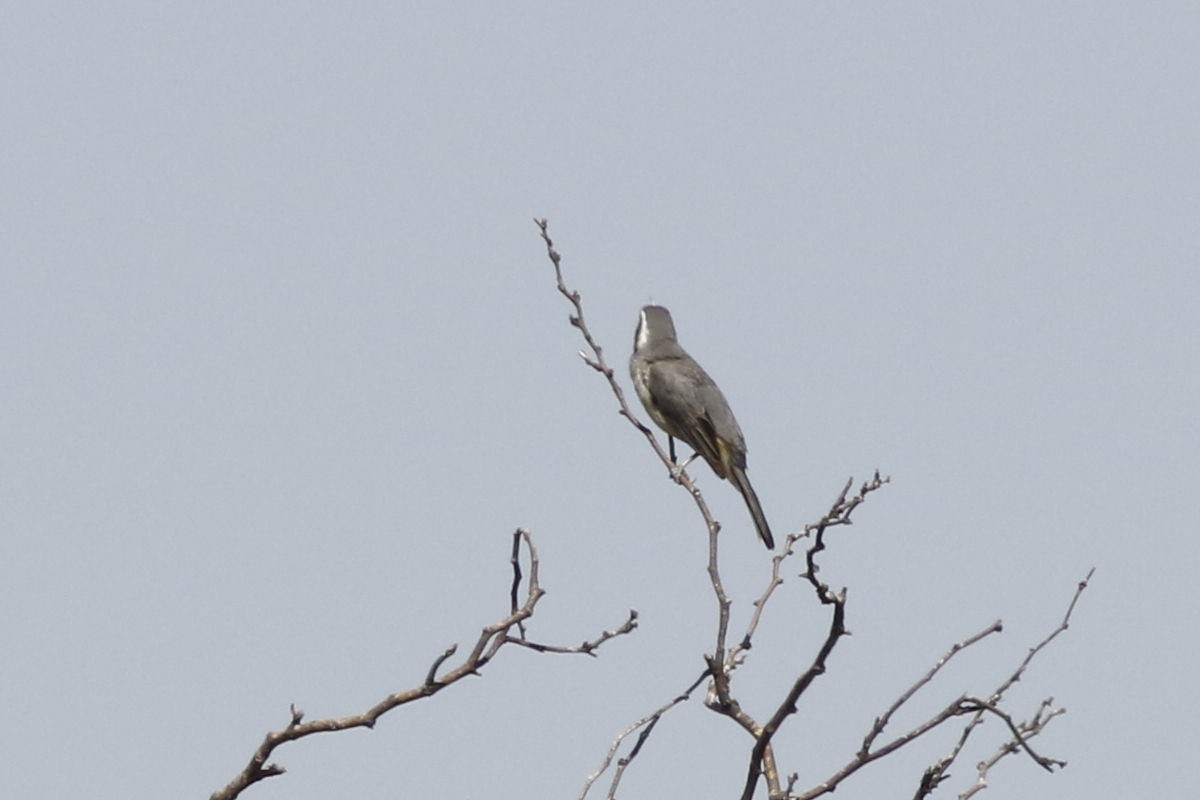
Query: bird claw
point(677, 469)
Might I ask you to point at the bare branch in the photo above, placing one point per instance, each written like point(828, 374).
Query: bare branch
point(837, 629)
point(646, 725)
point(882, 720)
point(587, 648)
point(1029, 730)
point(515, 560)
point(937, 772)
point(490, 640)
point(1033, 651)
point(963, 706)
point(596, 359)
point(776, 580)
point(762, 760)
point(838, 514)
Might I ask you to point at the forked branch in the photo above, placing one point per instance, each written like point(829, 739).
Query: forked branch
point(489, 642)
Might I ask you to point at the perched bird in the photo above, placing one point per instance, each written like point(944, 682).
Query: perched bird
point(685, 402)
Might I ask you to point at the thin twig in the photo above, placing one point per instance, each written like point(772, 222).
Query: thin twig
point(587, 648)
point(1029, 730)
point(882, 720)
point(646, 726)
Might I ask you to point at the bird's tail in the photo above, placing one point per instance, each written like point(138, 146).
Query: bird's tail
point(737, 475)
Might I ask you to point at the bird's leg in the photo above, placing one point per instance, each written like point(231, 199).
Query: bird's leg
point(677, 470)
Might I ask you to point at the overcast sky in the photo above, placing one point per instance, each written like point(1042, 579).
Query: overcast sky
point(283, 366)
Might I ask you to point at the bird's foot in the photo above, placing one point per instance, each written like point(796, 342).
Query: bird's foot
point(677, 469)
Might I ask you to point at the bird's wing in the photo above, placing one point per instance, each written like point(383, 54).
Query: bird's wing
point(679, 388)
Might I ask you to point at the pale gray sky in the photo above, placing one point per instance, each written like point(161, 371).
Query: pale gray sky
point(283, 367)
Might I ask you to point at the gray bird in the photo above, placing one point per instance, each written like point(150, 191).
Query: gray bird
point(685, 402)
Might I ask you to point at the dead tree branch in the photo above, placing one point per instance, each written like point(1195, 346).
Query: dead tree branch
point(643, 727)
point(489, 642)
point(936, 773)
point(762, 761)
point(975, 708)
